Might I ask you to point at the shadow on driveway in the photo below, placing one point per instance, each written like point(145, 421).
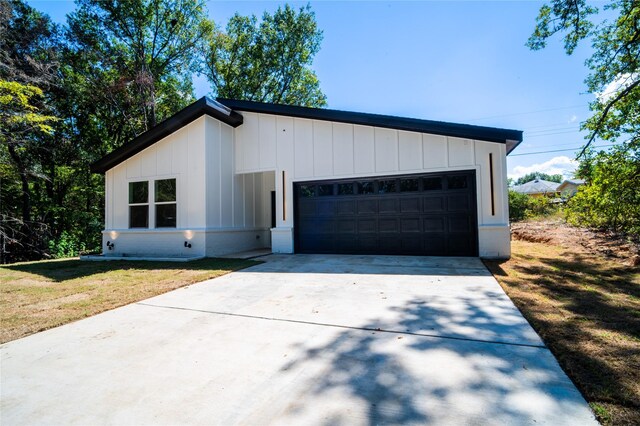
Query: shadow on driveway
point(404, 379)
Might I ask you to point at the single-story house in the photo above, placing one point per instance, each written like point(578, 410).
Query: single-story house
point(569, 187)
point(226, 176)
point(538, 188)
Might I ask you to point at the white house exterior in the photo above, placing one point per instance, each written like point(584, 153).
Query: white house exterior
point(227, 176)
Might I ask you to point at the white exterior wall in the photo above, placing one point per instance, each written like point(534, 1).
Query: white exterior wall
point(314, 150)
point(217, 212)
point(225, 176)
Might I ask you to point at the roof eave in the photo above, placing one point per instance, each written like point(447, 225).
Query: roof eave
point(512, 144)
point(183, 117)
point(489, 134)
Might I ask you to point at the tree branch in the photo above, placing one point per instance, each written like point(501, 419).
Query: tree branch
point(603, 117)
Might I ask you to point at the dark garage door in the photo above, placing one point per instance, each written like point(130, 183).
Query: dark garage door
point(426, 214)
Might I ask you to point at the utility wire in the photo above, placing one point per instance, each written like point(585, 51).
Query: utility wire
point(575, 123)
point(557, 129)
point(556, 145)
point(556, 150)
point(552, 134)
point(529, 112)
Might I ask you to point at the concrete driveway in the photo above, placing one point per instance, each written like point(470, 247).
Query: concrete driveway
point(304, 339)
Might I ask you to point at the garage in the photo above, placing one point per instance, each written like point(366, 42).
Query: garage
point(250, 175)
point(418, 214)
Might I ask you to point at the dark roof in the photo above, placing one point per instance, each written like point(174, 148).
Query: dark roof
point(223, 110)
point(491, 134)
point(183, 117)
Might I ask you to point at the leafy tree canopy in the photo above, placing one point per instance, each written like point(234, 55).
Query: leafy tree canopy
point(17, 113)
point(28, 41)
point(614, 65)
point(538, 175)
point(140, 53)
point(612, 199)
point(267, 61)
point(71, 93)
point(613, 177)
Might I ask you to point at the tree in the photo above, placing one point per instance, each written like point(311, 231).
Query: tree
point(20, 124)
point(267, 61)
point(28, 41)
point(614, 65)
point(538, 175)
point(28, 66)
point(139, 53)
point(612, 199)
point(613, 176)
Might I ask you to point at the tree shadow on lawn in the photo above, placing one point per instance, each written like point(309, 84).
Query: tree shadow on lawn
point(584, 303)
point(69, 269)
point(410, 378)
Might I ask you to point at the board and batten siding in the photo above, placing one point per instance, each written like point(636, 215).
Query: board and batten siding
point(309, 149)
point(210, 196)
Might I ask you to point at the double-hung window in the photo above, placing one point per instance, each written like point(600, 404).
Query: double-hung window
point(165, 200)
point(139, 204)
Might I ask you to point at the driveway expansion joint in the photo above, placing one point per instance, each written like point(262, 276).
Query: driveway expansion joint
point(379, 330)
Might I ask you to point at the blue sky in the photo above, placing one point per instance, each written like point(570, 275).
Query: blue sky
point(457, 61)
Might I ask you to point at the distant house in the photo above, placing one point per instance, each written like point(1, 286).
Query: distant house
point(538, 188)
point(569, 187)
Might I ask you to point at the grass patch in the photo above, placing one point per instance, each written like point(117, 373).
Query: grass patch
point(35, 296)
point(586, 308)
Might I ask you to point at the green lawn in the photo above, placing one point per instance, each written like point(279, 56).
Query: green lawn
point(35, 296)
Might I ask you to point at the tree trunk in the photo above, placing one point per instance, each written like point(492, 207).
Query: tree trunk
point(26, 193)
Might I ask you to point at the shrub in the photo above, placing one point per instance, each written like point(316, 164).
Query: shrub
point(523, 206)
point(518, 206)
point(611, 199)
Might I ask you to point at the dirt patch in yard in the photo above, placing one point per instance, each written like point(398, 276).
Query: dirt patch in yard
point(579, 291)
point(605, 243)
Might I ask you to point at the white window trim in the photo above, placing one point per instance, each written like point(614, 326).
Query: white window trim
point(151, 188)
point(157, 203)
point(129, 205)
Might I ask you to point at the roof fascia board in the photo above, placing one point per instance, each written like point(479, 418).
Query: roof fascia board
point(489, 134)
point(183, 117)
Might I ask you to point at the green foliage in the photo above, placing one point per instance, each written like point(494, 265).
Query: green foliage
point(267, 61)
point(540, 206)
point(611, 199)
point(518, 206)
point(28, 42)
point(569, 16)
point(71, 94)
point(614, 65)
point(538, 175)
point(18, 115)
point(601, 413)
point(138, 55)
point(66, 246)
point(523, 206)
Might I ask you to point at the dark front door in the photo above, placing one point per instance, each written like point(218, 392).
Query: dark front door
point(425, 214)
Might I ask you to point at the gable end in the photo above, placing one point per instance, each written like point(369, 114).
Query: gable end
point(170, 125)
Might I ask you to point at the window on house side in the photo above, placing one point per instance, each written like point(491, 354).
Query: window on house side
point(165, 200)
point(139, 204)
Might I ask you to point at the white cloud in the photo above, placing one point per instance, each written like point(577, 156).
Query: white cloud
point(573, 119)
point(557, 165)
point(616, 85)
